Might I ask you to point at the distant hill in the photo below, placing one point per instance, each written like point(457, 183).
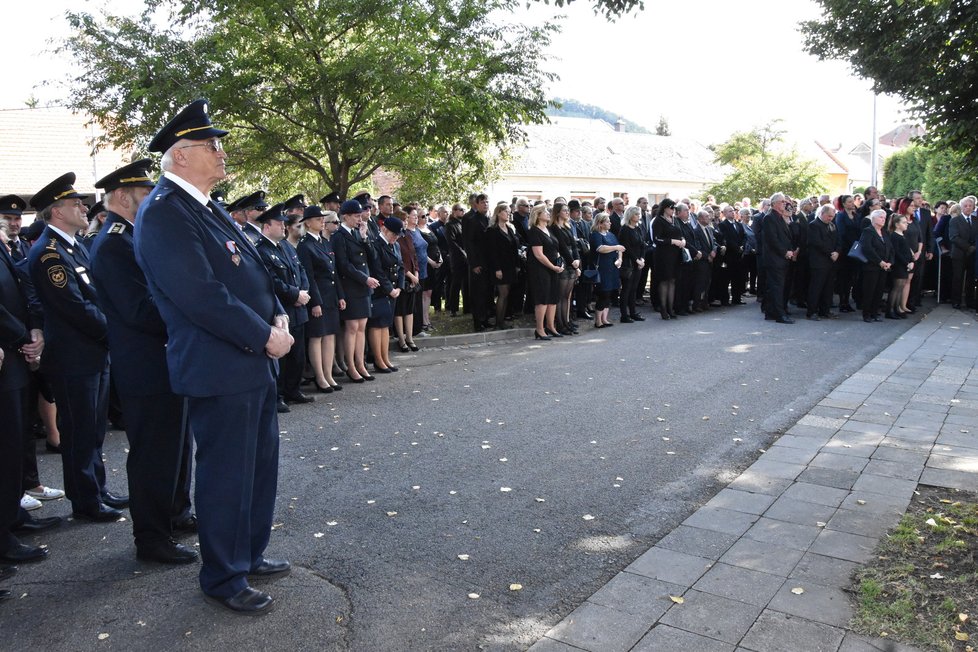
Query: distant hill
point(575, 109)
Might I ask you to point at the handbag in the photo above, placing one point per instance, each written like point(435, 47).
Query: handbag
point(590, 276)
point(856, 251)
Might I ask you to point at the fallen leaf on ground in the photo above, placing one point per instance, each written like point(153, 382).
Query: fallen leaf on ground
point(515, 587)
point(103, 636)
point(931, 522)
point(473, 596)
point(677, 599)
point(588, 517)
point(958, 636)
point(505, 490)
point(392, 513)
point(937, 576)
point(706, 418)
point(318, 535)
point(463, 557)
point(860, 502)
point(797, 590)
point(963, 618)
point(537, 530)
point(541, 500)
point(820, 524)
point(331, 523)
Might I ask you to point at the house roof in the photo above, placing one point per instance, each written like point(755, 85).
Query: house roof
point(38, 145)
point(576, 147)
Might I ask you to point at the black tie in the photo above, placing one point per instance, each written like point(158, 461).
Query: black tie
point(15, 251)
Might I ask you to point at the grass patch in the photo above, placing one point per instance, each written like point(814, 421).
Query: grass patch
point(922, 588)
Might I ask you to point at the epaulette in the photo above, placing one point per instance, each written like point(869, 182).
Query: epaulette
point(52, 244)
point(117, 228)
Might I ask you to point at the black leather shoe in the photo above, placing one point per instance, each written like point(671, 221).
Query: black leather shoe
point(625, 319)
point(299, 397)
point(637, 317)
point(271, 568)
point(813, 317)
point(51, 448)
point(166, 552)
point(382, 370)
point(247, 602)
point(23, 553)
point(185, 526)
point(38, 524)
point(103, 514)
point(282, 407)
point(115, 502)
point(785, 320)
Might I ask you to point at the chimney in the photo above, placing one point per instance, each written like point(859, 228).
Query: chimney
point(620, 125)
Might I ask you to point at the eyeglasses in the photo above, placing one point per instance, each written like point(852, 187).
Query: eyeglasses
point(214, 146)
point(333, 222)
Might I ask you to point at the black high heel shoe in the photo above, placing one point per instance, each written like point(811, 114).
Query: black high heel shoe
point(551, 333)
point(538, 336)
point(324, 390)
point(413, 346)
point(403, 347)
point(355, 380)
point(382, 370)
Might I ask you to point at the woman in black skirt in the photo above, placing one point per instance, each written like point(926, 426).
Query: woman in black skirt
point(326, 293)
point(632, 263)
point(902, 267)
point(543, 271)
point(669, 244)
point(390, 273)
point(560, 228)
point(878, 250)
point(503, 258)
point(404, 306)
point(354, 258)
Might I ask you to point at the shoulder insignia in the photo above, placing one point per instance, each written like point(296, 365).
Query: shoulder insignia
point(58, 276)
point(52, 244)
point(56, 256)
point(117, 228)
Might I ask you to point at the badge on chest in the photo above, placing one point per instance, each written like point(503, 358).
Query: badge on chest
point(232, 246)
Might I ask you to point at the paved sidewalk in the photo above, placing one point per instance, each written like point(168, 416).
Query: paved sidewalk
point(807, 514)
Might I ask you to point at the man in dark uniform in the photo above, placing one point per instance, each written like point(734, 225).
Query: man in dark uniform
point(246, 210)
point(12, 208)
point(331, 202)
point(76, 360)
point(21, 343)
point(474, 225)
point(292, 289)
point(158, 465)
point(225, 331)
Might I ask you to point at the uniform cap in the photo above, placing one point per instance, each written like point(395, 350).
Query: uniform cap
point(191, 123)
point(311, 212)
point(12, 205)
point(351, 207)
point(136, 174)
point(276, 212)
point(60, 188)
point(331, 198)
point(296, 201)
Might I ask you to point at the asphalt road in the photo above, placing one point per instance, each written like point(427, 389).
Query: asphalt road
point(550, 465)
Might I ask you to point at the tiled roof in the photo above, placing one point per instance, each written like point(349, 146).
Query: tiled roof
point(567, 149)
point(38, 145)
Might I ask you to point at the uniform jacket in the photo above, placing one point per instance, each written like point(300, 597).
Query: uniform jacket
point(137, 333)
point(16, 320)
point(353, 262)
point(288, 277)
point(252, 231)
point(391, 269)
point(75, 334)
point(212, 290)
point(823, 240)
point(319, 265)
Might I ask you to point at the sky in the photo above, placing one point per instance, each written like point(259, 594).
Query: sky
point(711, 67)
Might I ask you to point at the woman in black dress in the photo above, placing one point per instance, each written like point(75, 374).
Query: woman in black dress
point(633, 261)
point(878, 250)
point(390, 273)
point(404, 306)
point(326, 293)
point(354, 258)
point(902, 267)
point(503, 257)
point(560, 228)
point(669, 244)
point(543, 270)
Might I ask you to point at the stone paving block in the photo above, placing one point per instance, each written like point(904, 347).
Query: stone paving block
point(712, 616)
point(638, 595)
point(800, 512)
point(791, 535)
point(827, 571)
point(742, 584)
point(838, 462)
point(761, 484)
point(664, 637)
point(953, 458)
point(883, 485)
point(805, 430)
point(818, 494)
point(696, 541)
point(936, 407)
point(776, 469)
point(960, 419)
point(787, 454)
point(876, 503)
point(952, 479)
point(670, 566)
point(903, 444)
point(920, 419)
point(808, 444)
point(856, 643)
point(840, 446)
point(829, 411)
point(600, 629)
point(915, 434)
point(768, 558)
point(831, 423)
point(550, 645)
point(777, 632)
point(873, 415)
point(851, 547)
point(721, 520)
point(822, 604)
point(952, 436)
point(901, 470)
point(865, 428)
point(863, 522)
point(847, 400)
point(741, 501)
point(830, 477)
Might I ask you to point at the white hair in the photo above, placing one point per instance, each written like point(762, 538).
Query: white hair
point(879, 212)
point(778, 196)
point(825, 208)
point(166, 163)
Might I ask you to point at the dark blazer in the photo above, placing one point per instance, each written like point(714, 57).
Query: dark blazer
point(252, 231)
point(474, 225)
point(849, 229)
point(353, 259)
point(902, 254)
point(456, 248)
point(734, 238)
point(503, 254)
point(926, 225)
point(288, 277)
point(16, 320)
point(777, 240)
point(701, 241)
point(634, 245)
point(137, 334)
point(823, 240)
point(213, 291)
point(689, 235)
point(319, 265)
point(875, 249)
point(75, 334)
point(566, 243)
point(962, 236)
point(391, 270)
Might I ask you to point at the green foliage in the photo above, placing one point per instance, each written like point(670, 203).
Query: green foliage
point(904, 171)
point(921, 50)
point(317, 95)
point(759, 170)
point(938, 173)
point(611, 9)
point(575, 109)
point(448, 177)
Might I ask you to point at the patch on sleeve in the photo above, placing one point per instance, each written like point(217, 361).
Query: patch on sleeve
point(50, 256)
point(58, 276)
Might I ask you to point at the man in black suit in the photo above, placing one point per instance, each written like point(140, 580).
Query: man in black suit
point(705, 247)
point(734, 239)
point(823, 252)
point(12, 209)
point(645, 227)
point(923, 265)
point(961, 232)
point(474, 225)
point(778, 254)
point(616, 209)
